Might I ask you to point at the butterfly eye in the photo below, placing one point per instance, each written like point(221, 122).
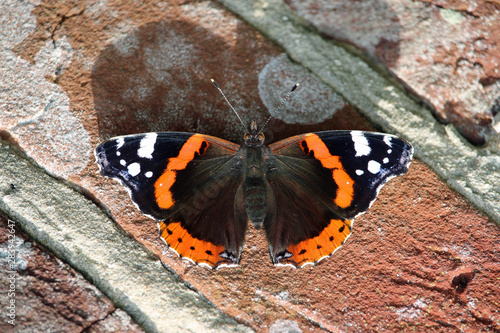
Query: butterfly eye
point(261, 137)
point(246, 136)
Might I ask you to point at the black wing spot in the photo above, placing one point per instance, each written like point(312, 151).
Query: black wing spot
point(169, 231)
point(305, 148)
point(302, 251)
point(208, 252)
point(341, 229)
point(319, 246)
point(179, 239)
point(203, 148)
point(192, 248)
point(331, 238)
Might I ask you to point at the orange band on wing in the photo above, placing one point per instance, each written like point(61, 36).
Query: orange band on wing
point(163, 193)
point(314, 249)
point(187, 246)
point(345, 191)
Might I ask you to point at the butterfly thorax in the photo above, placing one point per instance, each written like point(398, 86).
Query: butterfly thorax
point(254, 182)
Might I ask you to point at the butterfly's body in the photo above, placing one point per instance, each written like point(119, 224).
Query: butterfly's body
point(255, 166)
point(303, 191)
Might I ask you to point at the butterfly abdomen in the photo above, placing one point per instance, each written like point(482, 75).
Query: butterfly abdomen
point(254, 186)
point(254, 191)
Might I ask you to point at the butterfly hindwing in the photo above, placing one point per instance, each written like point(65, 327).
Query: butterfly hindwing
point(337, 176)
point(186, 181)
point(306, 229)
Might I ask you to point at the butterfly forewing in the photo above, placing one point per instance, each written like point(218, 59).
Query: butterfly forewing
point(357, 164)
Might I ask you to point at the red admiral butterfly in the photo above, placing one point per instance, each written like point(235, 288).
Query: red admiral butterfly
point(303, 191)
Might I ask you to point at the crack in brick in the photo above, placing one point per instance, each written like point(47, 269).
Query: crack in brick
point(461, 11)
point(97, 321)
point(444, 323)
point(62, 19)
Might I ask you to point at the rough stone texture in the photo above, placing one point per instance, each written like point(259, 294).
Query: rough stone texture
point(313, 103)
point(34, 107)
point(444, 51)
point(49, 295)
point(422, 258)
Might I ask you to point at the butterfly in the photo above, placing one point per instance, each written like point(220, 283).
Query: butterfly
point(303, 191)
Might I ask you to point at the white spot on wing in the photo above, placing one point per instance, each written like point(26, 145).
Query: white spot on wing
point(149, 174)
point(359, 172)
point(122, 162)
point(374, 167)
point(119, 143)
point(385, 160)
point(118, 153)
point(387, 140)
point(147, 146)
point(360, 143)
point(134, 169)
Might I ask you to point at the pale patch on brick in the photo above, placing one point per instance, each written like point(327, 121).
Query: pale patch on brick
point(33, 110)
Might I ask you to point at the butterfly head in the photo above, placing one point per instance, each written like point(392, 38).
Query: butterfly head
point(254, 137)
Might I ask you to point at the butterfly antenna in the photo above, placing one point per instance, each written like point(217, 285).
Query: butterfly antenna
point(279, 106)
point(220, 90)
